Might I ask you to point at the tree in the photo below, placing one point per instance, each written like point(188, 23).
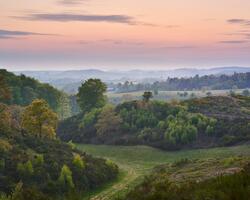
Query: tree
point(108, 122)
point(91, 94)
point(209, 94)
point(5, 94)
point(78, 162)
point(156, 92)
point(25, 169)
point(38, 119)
point(5, 118)
point(65, 178)
point(64, 109)
point(147, 96)
point(246, 93)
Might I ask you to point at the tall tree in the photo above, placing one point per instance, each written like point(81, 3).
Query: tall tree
point(147, 96)
point(109, 123)
point(5, 94)
point(64, 109)
point(91, 94)
point(39, 119)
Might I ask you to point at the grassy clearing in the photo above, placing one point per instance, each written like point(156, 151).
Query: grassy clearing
point(137, 161)
point(167, 95)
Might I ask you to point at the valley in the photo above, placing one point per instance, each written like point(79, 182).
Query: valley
point(135, 162)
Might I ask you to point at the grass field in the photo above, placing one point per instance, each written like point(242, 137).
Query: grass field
point(137, 161)
point(117, 98)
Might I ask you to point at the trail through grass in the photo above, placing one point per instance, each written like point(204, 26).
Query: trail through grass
point(137, 161)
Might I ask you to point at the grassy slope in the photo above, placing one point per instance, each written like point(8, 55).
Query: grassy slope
point(137, 161)
point(174, 94)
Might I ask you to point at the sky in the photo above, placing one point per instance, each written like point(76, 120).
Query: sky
point(124, 34)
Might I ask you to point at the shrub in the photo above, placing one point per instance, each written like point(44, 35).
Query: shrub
point(78, 162)
point(65, 179)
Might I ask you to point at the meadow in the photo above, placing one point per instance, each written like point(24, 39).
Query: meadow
point(117, 98)
point(135, 162)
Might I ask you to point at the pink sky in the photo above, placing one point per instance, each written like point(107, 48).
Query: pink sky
point(119, 34)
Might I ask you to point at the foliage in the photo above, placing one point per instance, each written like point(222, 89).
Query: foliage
point(51, 167)
point(147, 96)
point(237, 80)
point(38, 119)
point(25, 169)
point(64, 109)
point(245, 92)
point(78, 162)
point(209, 121)
point(90, 118)
point(65, 178)
point(91, 94)
point(47, 168)
point(22, 90)
point(5, 118)
point(108, 123)
point(5, 94)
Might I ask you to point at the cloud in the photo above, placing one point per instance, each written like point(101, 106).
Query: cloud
point(71, 17)
point(234, 41)
point(61, 17)
point(7, 34)
point(245, 22)
point(71, 2)
point(121, 42)
point(172, 26)
point(111, 41)
point(179, 47)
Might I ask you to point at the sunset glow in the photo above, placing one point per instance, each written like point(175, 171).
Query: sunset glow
point(118, 34)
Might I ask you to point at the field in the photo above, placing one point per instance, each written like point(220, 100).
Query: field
point(137, 161)
point(117, 98)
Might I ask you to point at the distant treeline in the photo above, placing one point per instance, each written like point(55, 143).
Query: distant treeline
point(213, 82)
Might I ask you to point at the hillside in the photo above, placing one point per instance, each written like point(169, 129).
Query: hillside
point(195, 123)
point(34, 163)
point(23, 90)
point(175, 183)
point(136, 162)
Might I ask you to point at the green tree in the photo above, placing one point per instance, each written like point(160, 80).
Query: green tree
point(25, 169)
point(246, 93)
point(38, 119)
point(78, 162)
point(91, 94)
point(65, 178)
point(147, 96)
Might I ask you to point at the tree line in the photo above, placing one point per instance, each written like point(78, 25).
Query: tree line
point(207, 82)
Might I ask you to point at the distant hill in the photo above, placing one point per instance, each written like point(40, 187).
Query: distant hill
point(62, 79)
